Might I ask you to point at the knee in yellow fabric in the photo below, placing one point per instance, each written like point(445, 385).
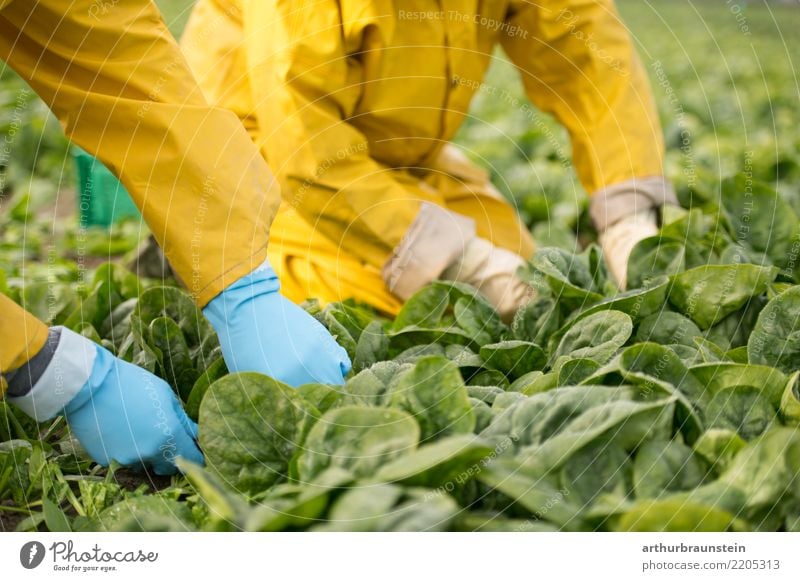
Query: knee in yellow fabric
point(311, 266)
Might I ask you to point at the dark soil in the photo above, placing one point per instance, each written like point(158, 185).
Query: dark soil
point(10, 520)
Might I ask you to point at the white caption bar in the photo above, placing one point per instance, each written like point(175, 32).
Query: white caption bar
point(379, 557)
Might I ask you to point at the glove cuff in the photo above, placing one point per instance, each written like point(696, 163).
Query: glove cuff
point(613, 203)
point(436, 239)
point(68, 370)
point(471, 264)
point(263, 277)
point(262, 280)
point(493, 271)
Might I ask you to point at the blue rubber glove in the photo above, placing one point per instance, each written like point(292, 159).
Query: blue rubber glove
point(260, 330)
point(118, 411)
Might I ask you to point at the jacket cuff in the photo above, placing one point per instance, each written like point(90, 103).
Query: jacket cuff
point(435, 240)
point(66, 373)
point(22, 380)
point(610, 204)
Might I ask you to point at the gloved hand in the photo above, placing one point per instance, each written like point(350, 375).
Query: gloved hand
point(626, 213)
point(262, 331)
point(118, 411)
point(618, 240)
point(441, 244)
point(493, 271)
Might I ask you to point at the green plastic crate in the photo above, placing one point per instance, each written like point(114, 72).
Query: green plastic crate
point(103, 200)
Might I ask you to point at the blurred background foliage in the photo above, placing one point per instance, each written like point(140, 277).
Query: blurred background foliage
point(723, 75)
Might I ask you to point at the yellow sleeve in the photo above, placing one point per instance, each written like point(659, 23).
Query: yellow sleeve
point(578, 63)
point(305, 88)
point(117, 81)
point(23, 335)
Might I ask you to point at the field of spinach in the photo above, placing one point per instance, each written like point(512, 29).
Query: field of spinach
point(672, 406)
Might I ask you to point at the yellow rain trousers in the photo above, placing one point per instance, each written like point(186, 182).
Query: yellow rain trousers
point(118, 82)
point(353, 101)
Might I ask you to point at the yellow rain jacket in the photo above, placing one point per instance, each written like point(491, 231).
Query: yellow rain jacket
point(116, 79)
point(352, 102)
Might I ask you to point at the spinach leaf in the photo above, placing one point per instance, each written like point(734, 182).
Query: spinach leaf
point(790, 401)
point(536, 321)
point(766, 469)
point(775, 339)
point(759, 218)
point(424, 309)
point(485, 393)
point(176, 360)
point(392, 508)
point(664, 466)
point(719, 447)
point(225, 509)
point(570, 277)
point(453, 460)
point(707, 294)
point(717, 376)
point(742, 409)
point(372, 386)
point(667, 328)
point(598, 336)
point(357, 439)
point(660, 363)
point(600, 468)
point(372, 346)
point(536, 419)
point(541, 496)
point(575, 371)
point(362, 508)
point(434, 393)
point(251, 426)
point(514, 358)
point(296, 507)
point(128, 514)
point(323, 397)
point(675, 515)
point(629, 423)
point(212, 373)
point(482, 412)
point(637, 303)
point(421, 510)
point(446, 313)
point(655, 257)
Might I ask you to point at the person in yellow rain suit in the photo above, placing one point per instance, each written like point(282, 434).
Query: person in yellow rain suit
point(117, 81)
point(354, 102)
